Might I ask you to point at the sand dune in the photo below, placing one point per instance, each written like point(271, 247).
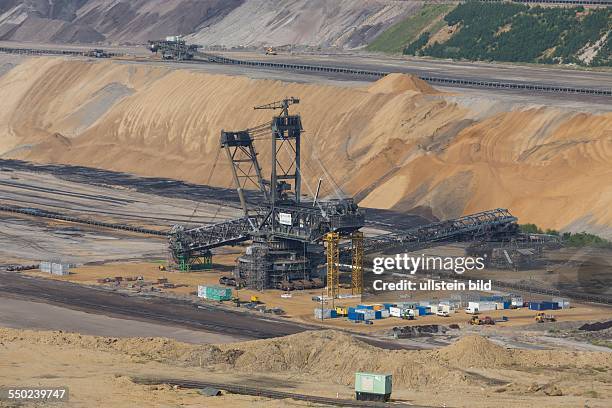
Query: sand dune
point(396, 144)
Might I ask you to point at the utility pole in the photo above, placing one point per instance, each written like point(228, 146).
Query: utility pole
point(322, 291)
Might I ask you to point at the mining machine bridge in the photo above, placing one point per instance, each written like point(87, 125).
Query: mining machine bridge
point(290, 236)
point(286, 232)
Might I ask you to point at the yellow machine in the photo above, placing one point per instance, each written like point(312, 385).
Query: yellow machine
point(477, 321)
point(341, 311)
point(255, 299)
point(270, 51)
point(162, 267)
point(543, 318)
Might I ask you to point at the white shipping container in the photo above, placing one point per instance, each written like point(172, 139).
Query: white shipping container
point(563, 303)
point(45, 267)
point(55, 268)
point(517, 301)
point(474, 307)
point(499, 305)
point(395, 311)
point(385, 313)
point(486, 306)
point(326, 313)
point(60, 269)
point(368, 314)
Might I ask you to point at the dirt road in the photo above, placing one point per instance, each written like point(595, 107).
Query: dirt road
point(158, 310)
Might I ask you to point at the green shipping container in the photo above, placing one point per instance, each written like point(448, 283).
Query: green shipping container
point(214, 292)
point(373, 387)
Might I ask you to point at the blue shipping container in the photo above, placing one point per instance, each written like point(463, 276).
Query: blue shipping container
point(365, 307)
point(535, 306)
point(423, 310)
point(355, 316)
point(377, 314)
point(543, 306)
point(507, 304)
point(334, 314)
point(550, 305)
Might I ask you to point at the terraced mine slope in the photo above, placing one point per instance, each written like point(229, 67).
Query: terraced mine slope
point(396, 144)
point(344, 23)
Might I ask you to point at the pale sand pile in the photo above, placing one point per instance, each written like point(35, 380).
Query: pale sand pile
point(327, 354)
point(395, 145)
point(475, 351)
point(399, 83)
point(336, 356)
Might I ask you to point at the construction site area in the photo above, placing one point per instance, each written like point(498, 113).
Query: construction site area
point(183, 226)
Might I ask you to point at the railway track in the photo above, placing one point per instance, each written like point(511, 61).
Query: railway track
point(268, 393)
point(208, 58)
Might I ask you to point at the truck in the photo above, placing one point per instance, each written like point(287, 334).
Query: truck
point(543, 318)
point(475, 320)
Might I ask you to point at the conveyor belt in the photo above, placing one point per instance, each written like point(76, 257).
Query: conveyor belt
point(433, 79)
point(471, 226)
point(37, 212)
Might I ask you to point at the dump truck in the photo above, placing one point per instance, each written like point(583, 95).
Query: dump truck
point(477, 321)
point(543, 318)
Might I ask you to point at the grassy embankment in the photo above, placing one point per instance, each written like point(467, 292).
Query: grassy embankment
point(396, 37)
